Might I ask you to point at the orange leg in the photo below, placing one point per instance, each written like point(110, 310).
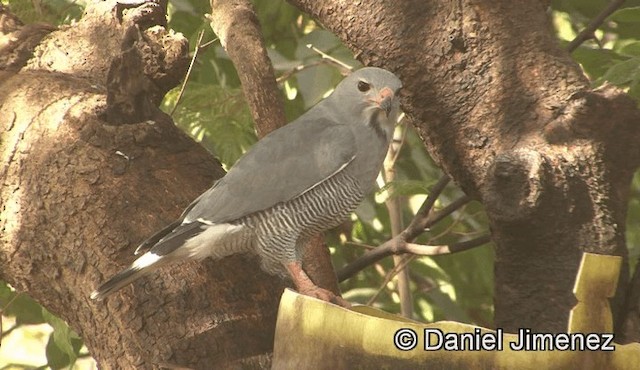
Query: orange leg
point(305, 286)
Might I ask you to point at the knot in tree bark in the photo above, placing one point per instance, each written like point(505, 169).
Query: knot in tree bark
point(516, 182)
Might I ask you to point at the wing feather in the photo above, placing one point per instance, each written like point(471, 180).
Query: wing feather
point(278, 168)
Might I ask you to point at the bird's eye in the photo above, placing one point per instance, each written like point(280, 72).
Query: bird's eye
point(363, 86)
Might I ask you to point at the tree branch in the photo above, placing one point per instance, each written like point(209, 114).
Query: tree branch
point(435, 217)
point(398, 246)
point(436, 250)
point(346, 69)
point(415, 228)
point(400, 266)
point(236, 24)
point(587, 33)
point(421, 221)
point(395, 216)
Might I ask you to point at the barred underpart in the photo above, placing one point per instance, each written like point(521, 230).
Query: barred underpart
point(281, 230)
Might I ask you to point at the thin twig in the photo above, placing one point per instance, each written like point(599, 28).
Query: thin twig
point(436, 250)
point(392, 247)
point(207, 44)
point(283, 77)
point(347, 68)
point(424, 284)
point(395, 217)
point(401, 266)
point(435, 217)
point(596, 22)
point(362, 245)
point(367, 259)
point(402, 139)
point(186, 77)
point(417, 225)
point(9, 303)
point(8, 331)
point(449, 228)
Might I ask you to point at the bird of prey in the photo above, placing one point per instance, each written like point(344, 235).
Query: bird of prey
point(296, 182)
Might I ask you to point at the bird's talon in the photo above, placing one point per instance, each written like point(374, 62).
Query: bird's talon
point(325, 295)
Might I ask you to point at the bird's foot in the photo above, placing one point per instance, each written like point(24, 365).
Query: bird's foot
point(323, 294)
point(305, 286)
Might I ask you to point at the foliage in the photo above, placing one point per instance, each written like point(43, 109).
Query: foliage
point(216, 116)
point(455, 287)
point(55, 12)
point(613, 54)
point(64, 345)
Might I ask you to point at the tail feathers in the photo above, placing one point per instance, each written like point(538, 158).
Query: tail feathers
point(173, 227)
point(155, 238)
point(139, 268)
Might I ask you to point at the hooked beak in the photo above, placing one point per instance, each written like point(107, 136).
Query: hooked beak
point(384, 99)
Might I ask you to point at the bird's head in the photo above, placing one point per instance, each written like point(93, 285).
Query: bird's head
point(370, 94)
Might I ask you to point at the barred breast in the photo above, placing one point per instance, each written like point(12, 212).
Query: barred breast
point(280, 230)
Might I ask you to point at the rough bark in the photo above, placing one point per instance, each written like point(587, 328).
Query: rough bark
point(90, 167)
point(86, 157)
point(512, 119)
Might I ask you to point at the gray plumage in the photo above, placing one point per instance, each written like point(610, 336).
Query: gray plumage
point(299, 180)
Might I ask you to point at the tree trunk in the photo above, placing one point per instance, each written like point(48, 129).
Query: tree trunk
point(90, 167)
point(512, 119)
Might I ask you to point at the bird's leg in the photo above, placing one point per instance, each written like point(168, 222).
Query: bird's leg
point(305, 286)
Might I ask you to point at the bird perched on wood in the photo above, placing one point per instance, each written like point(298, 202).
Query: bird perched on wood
point(296, 182)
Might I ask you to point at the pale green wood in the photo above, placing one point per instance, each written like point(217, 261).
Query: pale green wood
point(312, 334)
point(595, 283)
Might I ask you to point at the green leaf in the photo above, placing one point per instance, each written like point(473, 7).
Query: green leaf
point(25, 310)
point(626, 15)
point(630, 49)
point(366, 211)
point(56, 357)
point(634, 88)
point(596, 62)
point(50, 11)
point(215, 116)
point(62, 338)
point(623, 72)
point(584, 10)
point(6, 294)
point(183, 6)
